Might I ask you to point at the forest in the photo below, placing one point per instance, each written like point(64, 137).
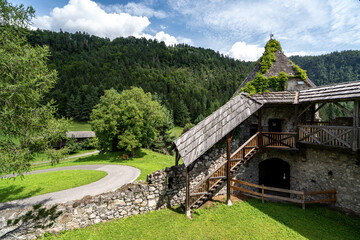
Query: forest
point(190, 82)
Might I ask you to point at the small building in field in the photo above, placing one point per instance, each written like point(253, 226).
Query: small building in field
point(80, 135)
point(268, 141)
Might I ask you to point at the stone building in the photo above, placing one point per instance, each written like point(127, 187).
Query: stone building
point(283, 144)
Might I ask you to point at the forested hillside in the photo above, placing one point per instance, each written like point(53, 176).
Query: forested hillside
point(191, 82)
point(331, 68)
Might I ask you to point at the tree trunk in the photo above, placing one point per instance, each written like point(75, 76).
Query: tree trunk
point(132, 152)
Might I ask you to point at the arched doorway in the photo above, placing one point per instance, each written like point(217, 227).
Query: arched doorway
point(275, 172)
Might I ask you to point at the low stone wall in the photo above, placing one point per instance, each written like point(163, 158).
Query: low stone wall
point(163, 188)
point(131, 199)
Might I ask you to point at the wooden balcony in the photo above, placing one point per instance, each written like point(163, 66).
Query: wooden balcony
point(330, 136)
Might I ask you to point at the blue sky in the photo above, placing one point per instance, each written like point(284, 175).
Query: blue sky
point(238, 28)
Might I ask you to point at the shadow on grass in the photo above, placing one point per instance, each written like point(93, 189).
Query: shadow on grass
point(112, 157)
point(14, 192)
point(316, 222)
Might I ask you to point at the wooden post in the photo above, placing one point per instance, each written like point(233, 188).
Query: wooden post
point(303, 201)
point(333, 197)
point(312, 114)
point(296, 126)
point(187, 201)
point(356, 125)
point(228, 166)
point(260, 137)
point(177, 157)
point(262, 193)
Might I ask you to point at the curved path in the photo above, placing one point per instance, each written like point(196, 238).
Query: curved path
point(118, 175)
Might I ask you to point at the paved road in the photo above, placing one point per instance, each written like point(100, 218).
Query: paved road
point(118, 175)
point(75, 156)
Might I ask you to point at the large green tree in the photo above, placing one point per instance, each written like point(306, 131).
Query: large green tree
point(26, 126)
point(129, 119)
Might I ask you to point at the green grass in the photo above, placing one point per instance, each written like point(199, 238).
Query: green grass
point(41, 183)
point(177, 131)
point(145, 160)
point(79, 126)
point(243, 220)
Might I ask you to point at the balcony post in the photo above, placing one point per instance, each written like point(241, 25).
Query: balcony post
point(187, 199)
point(356, 125)
point(260, 137)
point(228, 166)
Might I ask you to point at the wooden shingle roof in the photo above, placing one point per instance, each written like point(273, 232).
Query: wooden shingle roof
point(80, 134)
point(212, 129)
point(334, 92)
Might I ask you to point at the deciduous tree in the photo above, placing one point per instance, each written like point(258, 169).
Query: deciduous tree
point(129, 119)
point(26, 126)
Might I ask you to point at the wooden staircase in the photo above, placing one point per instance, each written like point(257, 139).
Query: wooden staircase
point(213, 182)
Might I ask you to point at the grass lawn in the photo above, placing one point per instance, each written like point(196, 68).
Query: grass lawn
point(145, 160)
point(79, 126)
point(243, 220)
point(41, 183)
point(177, 131)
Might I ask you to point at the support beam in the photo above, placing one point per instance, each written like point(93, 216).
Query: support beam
point(260, 137)
point(177, 157)
point(187, 200)
point(345, 109)
point(228, 166)
point(356, 125)
point(305, 109)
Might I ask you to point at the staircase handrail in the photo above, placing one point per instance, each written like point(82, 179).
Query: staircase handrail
point(244, 145)
point(216, 169)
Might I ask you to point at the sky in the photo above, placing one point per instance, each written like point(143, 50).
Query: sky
point(238, 28)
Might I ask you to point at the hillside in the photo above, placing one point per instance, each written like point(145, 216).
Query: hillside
point(190, 81)
point(331, 68)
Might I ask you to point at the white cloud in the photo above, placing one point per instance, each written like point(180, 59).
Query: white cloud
point(86, 15)
point(137, 9)
point(242, 51)
point(161, 37)
point(168, 39)
point(313, 23)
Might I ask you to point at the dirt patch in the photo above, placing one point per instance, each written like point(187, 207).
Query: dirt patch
point(238, 197)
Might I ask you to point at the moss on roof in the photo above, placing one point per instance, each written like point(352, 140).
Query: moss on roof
point(262, 83)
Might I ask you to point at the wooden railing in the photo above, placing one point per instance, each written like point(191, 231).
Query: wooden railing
point(279, 140)
point(261, 193)
point(336, 136)
point(318, 123)
point(209, 182)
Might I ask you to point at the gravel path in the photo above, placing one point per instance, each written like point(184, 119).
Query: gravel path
point(118, 175)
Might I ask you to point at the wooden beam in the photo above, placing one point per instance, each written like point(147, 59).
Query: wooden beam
point(260, 138)
point(317, 109)
point(345, 109)
point(228, 166)
point(305, 109)
point(356, 125)
point(177, 157)
point(187, 200)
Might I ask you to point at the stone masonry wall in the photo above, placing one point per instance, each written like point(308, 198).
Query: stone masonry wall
point(315, 169)
point(163, 188)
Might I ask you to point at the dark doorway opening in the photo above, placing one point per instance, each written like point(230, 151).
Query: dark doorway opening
point(254, 128)
point(275, 125)
point(275, 172)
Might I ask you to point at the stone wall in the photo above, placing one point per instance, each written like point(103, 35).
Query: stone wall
point(163, 188)
point(314, 169)
point(131, 199)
